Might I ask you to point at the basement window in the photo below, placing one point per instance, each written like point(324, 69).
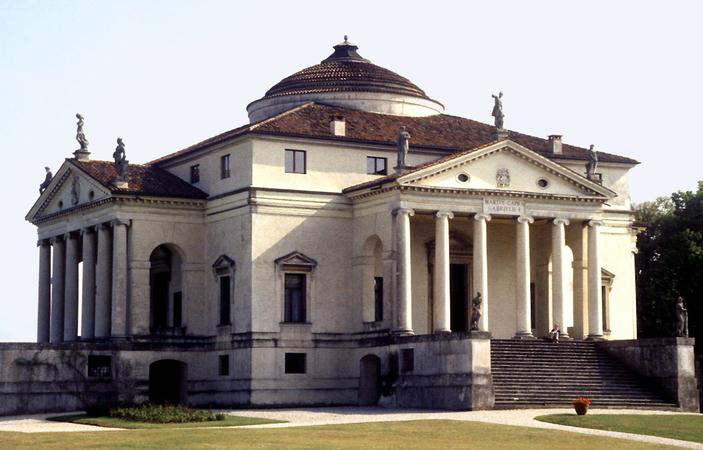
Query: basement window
point(100, 366)
point(295, 362)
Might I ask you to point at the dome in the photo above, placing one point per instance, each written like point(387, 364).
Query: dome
point(346, 79)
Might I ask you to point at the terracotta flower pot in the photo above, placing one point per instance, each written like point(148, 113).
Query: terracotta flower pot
point(581, 408)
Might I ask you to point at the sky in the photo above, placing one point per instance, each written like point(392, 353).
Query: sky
point(625, 76)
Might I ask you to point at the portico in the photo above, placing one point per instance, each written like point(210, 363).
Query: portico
point(102, 250)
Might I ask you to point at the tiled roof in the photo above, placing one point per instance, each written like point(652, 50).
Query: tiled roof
point(146, 180)
point(442, 131)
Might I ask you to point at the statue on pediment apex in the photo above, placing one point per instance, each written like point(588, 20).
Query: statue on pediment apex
point(498, 110)
point(47, 179)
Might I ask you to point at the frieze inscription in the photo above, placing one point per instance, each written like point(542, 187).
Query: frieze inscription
point(503, 206)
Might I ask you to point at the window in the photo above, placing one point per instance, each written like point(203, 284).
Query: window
point(378, 298)
point(408, 360)
point(177, 309)
point(195, 174)
point(533, 306)
point(223, 369)
point(294, 297)
point(224, 167)
point(376, 166)
point(99, 365)
point(295, 363)
point(225, 289)
point(295, 161)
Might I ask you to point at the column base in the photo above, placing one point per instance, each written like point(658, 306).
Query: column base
point(565, 337)
point(595, 337)
point(445, 331)
point(524, 336)
point(403, 332)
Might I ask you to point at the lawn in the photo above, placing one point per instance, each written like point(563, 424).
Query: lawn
point(112, 422)
point(675, 426)
point(444, 434)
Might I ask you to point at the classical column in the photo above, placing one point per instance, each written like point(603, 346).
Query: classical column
point(119, 278)
point(88, 286)
point(481, 267)
point(404, 290)
point(70, 323)
point(595, 305)
point(57, 289)
point(522, 258)
point(441, 311)
point(44, 303)
point(559, 274)
point(103, 282)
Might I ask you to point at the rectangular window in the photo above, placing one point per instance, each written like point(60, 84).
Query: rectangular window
point(376, 165)
point(408, 360)
point(604, 307)
point(294, 297)
point(225, 289)
point(295, 362)
point(223, 369)
point(99, 365)
point(195, 174)
point(378, 298)
point(224, 167)
point(533, 306)
point(295, 161)
point(177, 309)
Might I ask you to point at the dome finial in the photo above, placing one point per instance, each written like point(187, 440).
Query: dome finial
point(346, 39)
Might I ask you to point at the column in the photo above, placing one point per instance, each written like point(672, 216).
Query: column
point(480, 268)
point(88, 286)
point(404, 290)
point(522, 258)
point(44, 303)
point(558, 274)
point(70, 324)
point(57, 290)
point(595, 305)
point(441, 311)
point(103, 282)
point(119, 278)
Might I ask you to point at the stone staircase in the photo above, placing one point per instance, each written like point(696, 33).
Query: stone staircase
point(537, 373)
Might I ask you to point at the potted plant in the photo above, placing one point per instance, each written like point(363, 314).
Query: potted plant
point(581, 405)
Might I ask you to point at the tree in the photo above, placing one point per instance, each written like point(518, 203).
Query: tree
point(670, 263)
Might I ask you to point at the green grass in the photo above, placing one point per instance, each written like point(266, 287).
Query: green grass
point(426, 434)
point(113, 422)
point(675, 426)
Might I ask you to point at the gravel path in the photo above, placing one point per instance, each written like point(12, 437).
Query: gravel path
point(342, 415)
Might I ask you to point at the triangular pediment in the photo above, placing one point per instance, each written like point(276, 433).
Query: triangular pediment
point(70, 188)
point(505, 166)
point(296, 260)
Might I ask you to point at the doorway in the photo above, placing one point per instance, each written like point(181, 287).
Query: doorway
point(167, 382)
point(458, 302)
point(369, 380)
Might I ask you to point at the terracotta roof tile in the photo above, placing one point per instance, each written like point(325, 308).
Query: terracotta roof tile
point(442, 131)
point(146, 179)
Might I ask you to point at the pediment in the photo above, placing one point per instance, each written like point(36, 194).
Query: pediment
point(505, 166)
point(296, 260)
point(223, 264)
point(69, 188)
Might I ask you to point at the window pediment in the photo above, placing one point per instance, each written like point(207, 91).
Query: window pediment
point(296, 261)
point(223, 265)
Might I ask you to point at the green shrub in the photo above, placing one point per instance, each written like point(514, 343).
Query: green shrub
point(164, 414)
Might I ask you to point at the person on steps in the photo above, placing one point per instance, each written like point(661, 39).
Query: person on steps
point(554, 334)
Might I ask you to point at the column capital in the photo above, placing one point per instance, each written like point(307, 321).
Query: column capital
point(560, 221)
point(42, 242)
point(482, 216)
point(409, 211)
point(117, 222)
point(525, 219)
point(595, 223)
point(56, 239)
point(71, 235)
point(447, 214)
point(88, 230)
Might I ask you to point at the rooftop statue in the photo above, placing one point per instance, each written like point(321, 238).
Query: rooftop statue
point(121, 162)
point(592, 163)
point(498, 110)
point(47, 179)
point(403, 146)
point(80, 136)
point(476, 304)
point(681, 318)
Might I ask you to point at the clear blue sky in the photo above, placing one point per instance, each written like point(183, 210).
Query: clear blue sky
point(625, 76)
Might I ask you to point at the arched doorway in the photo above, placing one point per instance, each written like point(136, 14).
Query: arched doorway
point(369, 380)
point(168, 382)
point(166, 289)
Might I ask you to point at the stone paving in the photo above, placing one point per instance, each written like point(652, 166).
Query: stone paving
point(343, 415)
